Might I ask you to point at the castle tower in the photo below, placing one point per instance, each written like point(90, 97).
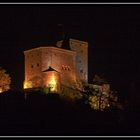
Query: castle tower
point(81, 49)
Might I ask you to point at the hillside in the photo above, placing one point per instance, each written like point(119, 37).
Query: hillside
point(47, 115)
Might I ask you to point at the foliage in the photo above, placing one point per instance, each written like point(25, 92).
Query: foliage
point(45, 90)
point(70, 93)
point(99, 80)
point(80, 85)
point(101, 101)
point(99, 96)
point(5, 80)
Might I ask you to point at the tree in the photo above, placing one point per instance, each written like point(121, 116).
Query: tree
point(5, 80)
point(99, 95)
point(99, 80)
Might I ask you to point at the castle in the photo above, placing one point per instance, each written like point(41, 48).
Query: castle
point(54, 66)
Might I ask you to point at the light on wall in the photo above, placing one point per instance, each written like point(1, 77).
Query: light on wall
point(52, 79)
point(1, 90)
point(52, 83)
point(27, 85)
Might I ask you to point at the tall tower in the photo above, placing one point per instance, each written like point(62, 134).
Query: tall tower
point(81, 49)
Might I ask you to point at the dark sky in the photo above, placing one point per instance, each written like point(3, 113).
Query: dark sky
point(112, 31)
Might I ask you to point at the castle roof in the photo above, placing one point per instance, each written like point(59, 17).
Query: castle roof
point(49, 69)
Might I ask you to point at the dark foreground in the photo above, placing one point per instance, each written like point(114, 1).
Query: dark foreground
point(52, 116)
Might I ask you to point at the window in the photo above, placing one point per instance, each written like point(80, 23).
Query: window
point(81, 71)
point(68, 68)
point(62, 67)
point(65, 67)
point(79, 61)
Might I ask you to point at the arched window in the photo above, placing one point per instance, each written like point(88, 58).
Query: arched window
point(65, 67)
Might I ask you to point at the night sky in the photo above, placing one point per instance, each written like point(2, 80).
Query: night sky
point(112, 31)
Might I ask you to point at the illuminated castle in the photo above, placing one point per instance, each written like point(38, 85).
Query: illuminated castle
point(54, 66)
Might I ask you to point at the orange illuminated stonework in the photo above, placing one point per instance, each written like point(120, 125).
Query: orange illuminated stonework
point(1, 90)
point(69, 66)
point(52, 80)
point(27, 85)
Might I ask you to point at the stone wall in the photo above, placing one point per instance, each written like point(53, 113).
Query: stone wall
point(39, 59)
point(81, 49)
point(33, 64)
point(64, 62)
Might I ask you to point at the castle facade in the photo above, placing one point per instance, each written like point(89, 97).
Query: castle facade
point(53, 66)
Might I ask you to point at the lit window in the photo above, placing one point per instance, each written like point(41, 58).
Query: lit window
point(64, 67)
